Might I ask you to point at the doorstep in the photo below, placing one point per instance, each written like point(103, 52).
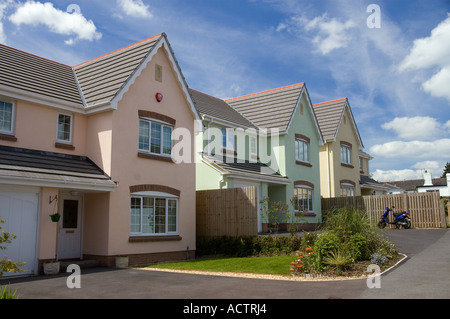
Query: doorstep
point(88, 263)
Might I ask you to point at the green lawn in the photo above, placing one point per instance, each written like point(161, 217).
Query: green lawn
point(277, 265)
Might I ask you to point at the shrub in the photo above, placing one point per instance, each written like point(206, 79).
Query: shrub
point(327, 242)
point(339, 259)
point(378, 258)
point(247, 245)
point(348, 220)
point(7, 293)
point(357, 246)
point(306, 262)
point(308, 240)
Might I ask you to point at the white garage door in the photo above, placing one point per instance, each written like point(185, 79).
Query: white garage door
point(19, 208)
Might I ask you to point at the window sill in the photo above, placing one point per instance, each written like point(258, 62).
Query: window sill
point(303, 163)
point(155, 157)
point(69, 147)
point(228, 151)
point(298, 214)
point(7, 137)
point(142, 239)
point(347, 165)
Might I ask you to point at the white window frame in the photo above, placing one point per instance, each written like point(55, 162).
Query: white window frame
point(309, 200)
point(346, 154)
point(228, 136)
point(300, 155)
point(69, 141)
point(253, 147)
point(347, 190)
point(154, 195)
point(162, 140)
point(13, 107)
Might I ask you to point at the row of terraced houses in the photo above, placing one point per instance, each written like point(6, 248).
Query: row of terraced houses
point(118, 146)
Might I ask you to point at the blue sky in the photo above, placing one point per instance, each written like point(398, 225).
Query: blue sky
point(397, 76)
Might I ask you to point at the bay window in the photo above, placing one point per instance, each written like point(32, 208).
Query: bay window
point(303, 199)
point(153, 215)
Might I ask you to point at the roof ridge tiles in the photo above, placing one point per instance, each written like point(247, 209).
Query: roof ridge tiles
point(267, 91)
point(337, 100)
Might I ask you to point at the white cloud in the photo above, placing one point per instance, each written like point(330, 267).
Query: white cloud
point(396, 175)
point(57, 21)
point(432, 166)
point(404, 151)
point(430, 52)
point(332, 33)
point(135, 8)
point(4, 4)
point(416, 171)
point(416, 128)
point(327, 34)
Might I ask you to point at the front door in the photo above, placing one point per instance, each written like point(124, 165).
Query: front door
point(69, 236)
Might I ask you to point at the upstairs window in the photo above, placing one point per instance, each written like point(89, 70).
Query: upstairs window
point(155, 137)
point(228, 139)
point(253, 146)
point(64, 129)
point(346, 154)
point(6, 117)
point(302, 150)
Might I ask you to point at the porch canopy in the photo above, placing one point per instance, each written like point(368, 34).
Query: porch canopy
point(255, 171)
point(46, 169)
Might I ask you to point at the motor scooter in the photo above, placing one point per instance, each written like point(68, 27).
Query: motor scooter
point(400, 219)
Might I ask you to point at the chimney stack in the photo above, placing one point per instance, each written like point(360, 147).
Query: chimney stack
point(428, 179)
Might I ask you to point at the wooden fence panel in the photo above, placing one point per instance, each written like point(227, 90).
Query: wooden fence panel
point(425, 209)
point(227, 212)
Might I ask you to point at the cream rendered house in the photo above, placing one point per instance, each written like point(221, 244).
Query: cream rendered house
point(341, 157)
point(94, 143)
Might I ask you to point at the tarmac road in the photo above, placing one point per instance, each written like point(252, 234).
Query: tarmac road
point(424, 274)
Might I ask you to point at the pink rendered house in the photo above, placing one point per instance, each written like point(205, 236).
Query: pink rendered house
point(93, 143)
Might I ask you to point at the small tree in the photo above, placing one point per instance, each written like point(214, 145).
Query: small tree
point(275, 212)
point(446, 170)
point(6, 265)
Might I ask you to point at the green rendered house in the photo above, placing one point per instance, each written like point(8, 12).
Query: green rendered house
point(289, 111)
point(269, 140)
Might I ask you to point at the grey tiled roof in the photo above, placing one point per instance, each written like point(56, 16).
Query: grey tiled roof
point(329, 116)
point(33, 159)
point(411, 185)
point(217, 108)
point(269, 109)
point(242, 169)
point(100, 79)
point(26, 72)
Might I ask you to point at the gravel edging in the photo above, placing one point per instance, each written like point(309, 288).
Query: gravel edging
point(313, 277)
